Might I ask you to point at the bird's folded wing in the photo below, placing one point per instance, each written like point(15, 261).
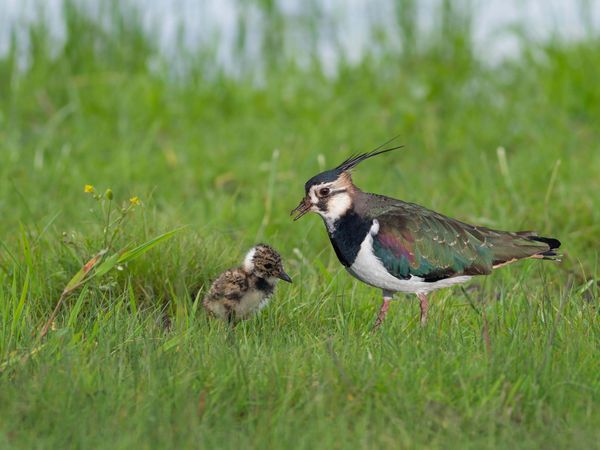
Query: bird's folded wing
point(415, 241)
point(231, 285)
point(425, 244)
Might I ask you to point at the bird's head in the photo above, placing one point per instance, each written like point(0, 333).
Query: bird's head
point(330, 193)
point(264, 262)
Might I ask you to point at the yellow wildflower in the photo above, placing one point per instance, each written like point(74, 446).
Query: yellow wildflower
point(88, 189)
point(135, 200)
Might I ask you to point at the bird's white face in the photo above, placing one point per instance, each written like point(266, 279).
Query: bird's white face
point(331, 200)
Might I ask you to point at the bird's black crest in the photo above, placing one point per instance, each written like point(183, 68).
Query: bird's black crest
point(354, 160)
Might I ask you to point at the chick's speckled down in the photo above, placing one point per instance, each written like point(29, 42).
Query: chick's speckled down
point(237, 294)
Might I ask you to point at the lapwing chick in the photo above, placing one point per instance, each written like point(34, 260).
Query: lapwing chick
point(237, 294)
point(403, 247)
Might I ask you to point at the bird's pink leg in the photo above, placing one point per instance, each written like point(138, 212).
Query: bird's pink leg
point(387, 298)
point(424, 307)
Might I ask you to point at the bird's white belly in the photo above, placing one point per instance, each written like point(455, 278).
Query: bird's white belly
point(369, 269)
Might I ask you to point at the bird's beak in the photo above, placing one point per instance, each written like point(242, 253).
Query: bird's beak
point(302, 208)
point(284, 276)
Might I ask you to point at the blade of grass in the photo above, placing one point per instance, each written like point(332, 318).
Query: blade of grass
point(74, 313)
point(21, 304)
point(77, 280)
point(130, 255)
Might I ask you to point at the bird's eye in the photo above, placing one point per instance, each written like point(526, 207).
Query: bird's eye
point(268, 266)
point(324, 192)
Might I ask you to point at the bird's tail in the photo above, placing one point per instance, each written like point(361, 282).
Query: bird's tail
point(552, 243)
point(511, 247)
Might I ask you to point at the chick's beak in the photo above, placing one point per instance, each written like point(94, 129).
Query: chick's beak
point(302, 208)
point(284, 276)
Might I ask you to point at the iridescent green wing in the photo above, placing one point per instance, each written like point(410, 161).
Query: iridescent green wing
point(414, 241)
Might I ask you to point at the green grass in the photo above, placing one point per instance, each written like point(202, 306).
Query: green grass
point(131, 361)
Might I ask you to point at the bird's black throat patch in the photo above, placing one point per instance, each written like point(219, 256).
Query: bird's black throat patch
point(349, 231)
point(264, 286)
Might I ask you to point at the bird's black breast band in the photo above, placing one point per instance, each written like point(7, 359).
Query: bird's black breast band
point(349, 231)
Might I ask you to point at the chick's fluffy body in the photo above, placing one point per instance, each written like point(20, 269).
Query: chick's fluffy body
point(237, 295)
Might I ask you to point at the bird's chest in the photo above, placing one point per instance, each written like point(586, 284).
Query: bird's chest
point(346, 235)
point(252, 302)
point(352, 240)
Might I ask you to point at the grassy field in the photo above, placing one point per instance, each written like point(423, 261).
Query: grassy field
point(130, 361)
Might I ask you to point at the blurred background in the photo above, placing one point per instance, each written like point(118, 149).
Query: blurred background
point(239, 35)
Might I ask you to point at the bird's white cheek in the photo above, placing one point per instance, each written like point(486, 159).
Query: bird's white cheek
point(337, 206)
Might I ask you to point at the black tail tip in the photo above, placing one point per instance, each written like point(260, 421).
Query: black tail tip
point(552, 243)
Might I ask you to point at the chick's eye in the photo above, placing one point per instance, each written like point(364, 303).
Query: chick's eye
point(323, 192)
point(268, 266)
